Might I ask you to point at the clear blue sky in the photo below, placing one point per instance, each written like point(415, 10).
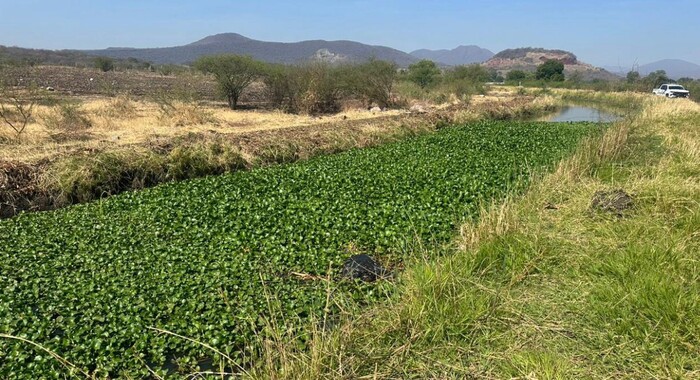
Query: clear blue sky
point(601, 32)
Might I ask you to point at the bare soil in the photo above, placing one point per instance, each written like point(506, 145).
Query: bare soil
point(615, 201)
point(87, 81)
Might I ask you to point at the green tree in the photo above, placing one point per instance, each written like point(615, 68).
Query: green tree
point(470, 73)
point(656, 78)
point(633, 76)
point(105, 64)
point(575, 78)
point(424, 73)
point(372, 81)
point(516, 75)
point(233, 74)
point(550, 70)
point(466, 80)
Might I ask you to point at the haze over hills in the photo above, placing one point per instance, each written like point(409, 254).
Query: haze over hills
point(277, 52)
point(674, 68)
point(461, 55)
point(22, 56)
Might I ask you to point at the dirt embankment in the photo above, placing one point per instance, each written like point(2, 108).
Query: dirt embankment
point(20, 189)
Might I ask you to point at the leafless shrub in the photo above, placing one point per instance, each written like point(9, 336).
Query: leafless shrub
point(181, 106)
point(67, 121)
point(319, 88)
point(17, 108)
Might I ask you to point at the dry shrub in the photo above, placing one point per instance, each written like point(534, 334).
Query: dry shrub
point(319, 100)
point(180, 114)
point(67, 121)
point(202, 159)
point(120, 107)
point(311, 89)
point(181, 106)
point(16, 110)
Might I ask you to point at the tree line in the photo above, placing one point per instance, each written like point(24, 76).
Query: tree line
point(309, 88)
point(319, 87)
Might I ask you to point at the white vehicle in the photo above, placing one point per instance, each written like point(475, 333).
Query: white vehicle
point(672, 91)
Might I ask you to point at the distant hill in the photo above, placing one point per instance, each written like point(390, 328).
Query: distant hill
point(277, 52)
point(527, 59)
point(675, 68)
point(462, 55)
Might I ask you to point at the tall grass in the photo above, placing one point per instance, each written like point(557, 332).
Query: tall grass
point(520, 108)
point(628, 101)
point(119, 107)
point(67, 121)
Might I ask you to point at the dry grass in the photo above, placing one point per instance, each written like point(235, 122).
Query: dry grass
point(123, 121)
point(67, 122)
point(507, 108)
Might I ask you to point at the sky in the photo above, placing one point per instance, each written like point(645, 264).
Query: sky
point(618, 33)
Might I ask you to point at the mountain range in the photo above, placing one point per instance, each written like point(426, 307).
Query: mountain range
point(293, 52)
point(277, 52)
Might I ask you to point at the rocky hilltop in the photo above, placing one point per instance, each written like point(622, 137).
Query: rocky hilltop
point(527, 59)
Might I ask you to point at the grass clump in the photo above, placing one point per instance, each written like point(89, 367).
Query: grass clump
point(119, 107)
point(67, 121)
point(181, 114)
point(85, 178)
point(203, 159)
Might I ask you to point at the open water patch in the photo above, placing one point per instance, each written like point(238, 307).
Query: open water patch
point(575, 114)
